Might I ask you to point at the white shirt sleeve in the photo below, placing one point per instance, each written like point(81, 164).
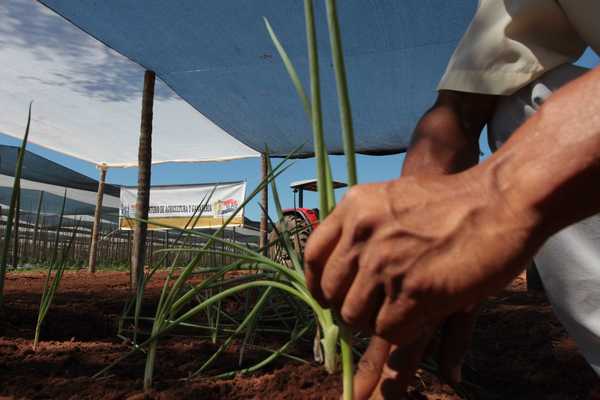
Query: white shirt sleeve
point(508, 44)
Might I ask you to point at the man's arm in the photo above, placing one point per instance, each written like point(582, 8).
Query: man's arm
point(445, 141)
point(436, 244)
point(551, 165)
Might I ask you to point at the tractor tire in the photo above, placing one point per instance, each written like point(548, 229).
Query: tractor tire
point(298, 231)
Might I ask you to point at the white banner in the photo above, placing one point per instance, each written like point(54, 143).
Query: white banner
point(175, 205)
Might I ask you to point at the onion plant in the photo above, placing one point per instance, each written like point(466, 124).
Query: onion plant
point(181, 300)
point(175, 295)
point(57, 266)
point(324, 181)
point(290, 281)
point(12, 207)
point(138, 299)
point(177, 303)
point(313, 108)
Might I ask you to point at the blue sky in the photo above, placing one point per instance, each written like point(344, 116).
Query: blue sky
point(371, 169)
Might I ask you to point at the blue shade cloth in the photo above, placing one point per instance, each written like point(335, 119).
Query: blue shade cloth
point(216, 55)
point(87, 97)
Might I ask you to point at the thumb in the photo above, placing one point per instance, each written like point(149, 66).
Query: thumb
point(369, 367)
point(399, 370)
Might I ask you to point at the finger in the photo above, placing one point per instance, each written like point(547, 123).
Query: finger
point(456, 339)
point(369, 367)
point(403, 321)
point(362, 301)
point(318, 249)
point(399, 371)
point(339, 272)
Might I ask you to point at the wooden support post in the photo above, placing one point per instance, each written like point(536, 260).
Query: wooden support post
point(97, 216)
point(151, 258)
point(44, 240)
point(138, 251)
point(264, 201)
point(37, 226)
point(15, 258)
point(129, 255)
point(166, 246)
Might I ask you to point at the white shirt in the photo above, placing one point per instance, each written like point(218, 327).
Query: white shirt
point(510, 43)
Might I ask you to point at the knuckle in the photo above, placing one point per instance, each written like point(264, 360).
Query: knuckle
point(311, 282)
point(367, 365)
point(354, 193)
point(376, 258)
point(350, 315)
point(311, 256)
point(329, 288)
point(314, 252)
point(362, 227)
point(373, 266)
point(385, 330)
point(414, 288)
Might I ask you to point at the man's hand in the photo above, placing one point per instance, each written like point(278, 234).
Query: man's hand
point(386, 371)
point(404, 258)
point(445, 141)
point(396, 258)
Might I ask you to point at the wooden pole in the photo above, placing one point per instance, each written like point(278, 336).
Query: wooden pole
point(15, 259)
point(264, 201)
point(151, 258)
point(97, 216)
point(129, 254)
point(37, 225)
point(166, 246)
point(143, 190)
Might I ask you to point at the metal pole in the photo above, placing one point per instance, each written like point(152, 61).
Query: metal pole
point(143, 190)
point(97, 216)
point(264, 201)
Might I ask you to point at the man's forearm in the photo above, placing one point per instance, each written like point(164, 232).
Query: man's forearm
point(551, 166)
point(438, 244)
point(445, 140)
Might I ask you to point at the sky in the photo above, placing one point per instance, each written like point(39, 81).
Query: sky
point(370, 168)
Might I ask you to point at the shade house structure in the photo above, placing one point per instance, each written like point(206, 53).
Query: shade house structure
point(44, 183)
point(222, 92)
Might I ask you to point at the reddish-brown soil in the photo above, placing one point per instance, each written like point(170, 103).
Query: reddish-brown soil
point(519, 351)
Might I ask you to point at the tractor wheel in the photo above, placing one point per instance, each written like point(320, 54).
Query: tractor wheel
point(298, 231)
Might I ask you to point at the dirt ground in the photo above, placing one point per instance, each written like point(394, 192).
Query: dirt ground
point(520, 351)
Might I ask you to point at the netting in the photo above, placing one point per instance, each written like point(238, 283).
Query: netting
point(217, 56)
point(45, 179)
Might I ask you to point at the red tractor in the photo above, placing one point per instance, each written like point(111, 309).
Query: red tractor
point(298, 221)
